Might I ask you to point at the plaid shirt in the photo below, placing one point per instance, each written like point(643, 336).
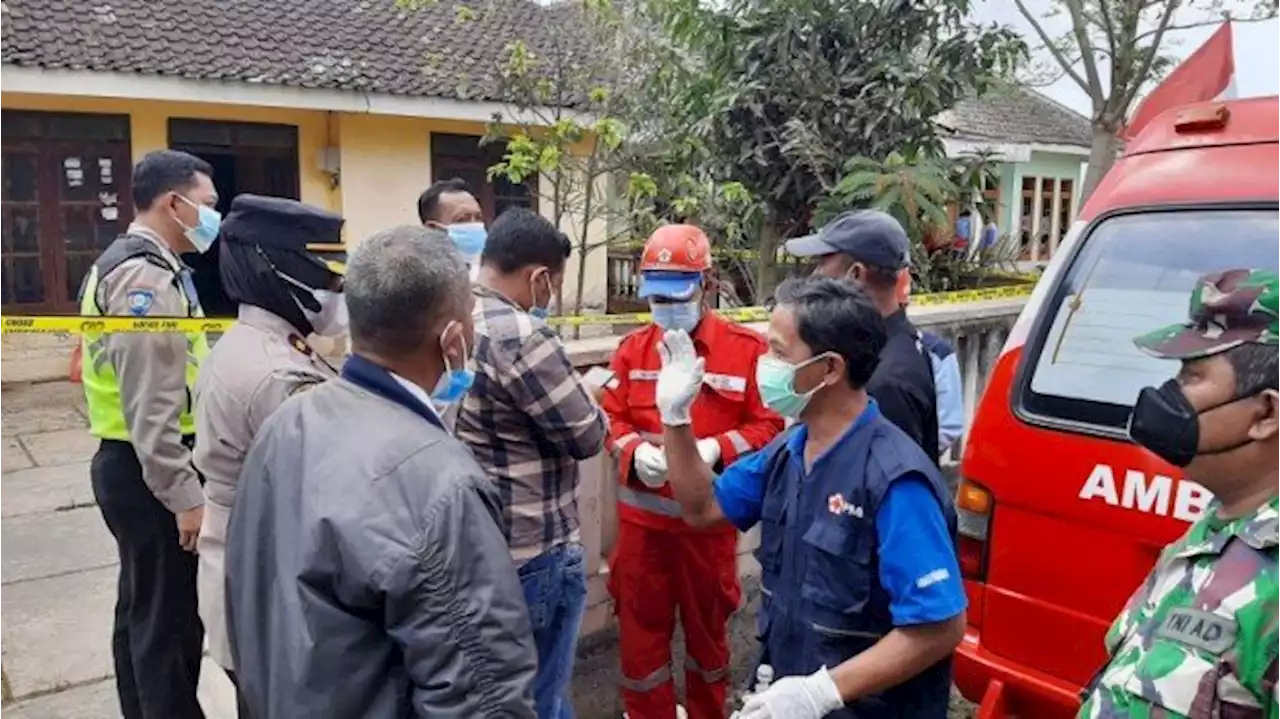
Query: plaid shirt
point(529, 420)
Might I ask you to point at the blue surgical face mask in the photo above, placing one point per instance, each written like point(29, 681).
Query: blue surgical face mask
point(541, 311)
point(468, 237)
point(205, 232)
point(776, 380)
point(455, 382)
point(677, 316)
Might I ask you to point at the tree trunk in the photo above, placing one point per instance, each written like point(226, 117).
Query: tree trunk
point(766, 264)
point(584, 243)
point(1102, 155)
point(578, 291)
point(557, 212)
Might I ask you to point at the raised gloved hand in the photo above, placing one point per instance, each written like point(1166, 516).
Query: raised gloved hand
point(811, 697)
point(709, 450)
point(680, 378)
point(651, 465)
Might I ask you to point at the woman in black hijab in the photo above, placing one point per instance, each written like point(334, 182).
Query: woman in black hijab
point(263, 261)
point(282, 294)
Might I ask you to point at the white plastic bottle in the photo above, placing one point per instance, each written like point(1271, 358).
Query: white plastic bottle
point(764, 677)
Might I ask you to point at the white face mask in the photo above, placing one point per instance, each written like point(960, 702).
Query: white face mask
point(331, 320)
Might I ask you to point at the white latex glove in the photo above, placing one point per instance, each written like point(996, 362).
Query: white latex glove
point(680, 378)
point(651, 465)
point(709, 450)
point(811, 697)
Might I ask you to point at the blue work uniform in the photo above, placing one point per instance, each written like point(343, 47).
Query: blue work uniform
point(861, 542)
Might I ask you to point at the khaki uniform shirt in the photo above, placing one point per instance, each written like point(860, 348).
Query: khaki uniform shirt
point(258, 364)
point(151, 371)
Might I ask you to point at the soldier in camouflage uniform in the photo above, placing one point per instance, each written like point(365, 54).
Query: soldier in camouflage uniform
point(1199, 637)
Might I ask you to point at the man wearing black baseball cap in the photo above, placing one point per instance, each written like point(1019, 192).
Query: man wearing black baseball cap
point(870, 248)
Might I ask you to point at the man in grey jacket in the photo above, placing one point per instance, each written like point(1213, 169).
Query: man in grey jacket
point(367, 575)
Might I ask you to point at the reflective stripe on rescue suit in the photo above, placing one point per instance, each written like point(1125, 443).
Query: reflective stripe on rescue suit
point(660, 563)
point(728, 408)
point(106, 414)
point(823, 602)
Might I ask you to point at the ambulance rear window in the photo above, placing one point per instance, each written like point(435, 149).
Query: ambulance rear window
point(1133, 274)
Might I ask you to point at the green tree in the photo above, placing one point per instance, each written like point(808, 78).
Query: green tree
point(918, 193)
point(778, 95)
point(562, 122)
point(726, 211)
point(1113, 49)
point(563, 125)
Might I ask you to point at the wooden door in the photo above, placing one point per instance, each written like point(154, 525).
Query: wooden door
point(462, 156)
point(473, 173)
point(247, 157)
point(65, 199)
point(93, 211)
point(26, 272)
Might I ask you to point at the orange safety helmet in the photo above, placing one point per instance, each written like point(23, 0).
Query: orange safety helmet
point(676, 248)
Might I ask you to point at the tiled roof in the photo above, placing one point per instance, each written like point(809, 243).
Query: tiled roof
point(1017, 115)
point(443, 48)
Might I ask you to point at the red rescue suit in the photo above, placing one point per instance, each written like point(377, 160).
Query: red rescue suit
point(659, 562)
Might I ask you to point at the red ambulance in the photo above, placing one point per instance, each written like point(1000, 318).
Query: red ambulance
point(1061, 516)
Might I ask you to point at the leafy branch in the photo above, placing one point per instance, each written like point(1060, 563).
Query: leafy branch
point(564, 126)
point(1130, 39)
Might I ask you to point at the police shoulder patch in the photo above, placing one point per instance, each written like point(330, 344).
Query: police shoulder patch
point(300, 345)
point(140, 302)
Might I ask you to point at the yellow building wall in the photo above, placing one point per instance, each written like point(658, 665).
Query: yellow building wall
point(385, 161)
point(386, 164)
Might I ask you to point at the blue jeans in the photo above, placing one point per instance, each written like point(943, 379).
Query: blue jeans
point(555, 588)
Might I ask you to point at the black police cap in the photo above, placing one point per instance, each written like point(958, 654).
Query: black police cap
point(280, 223)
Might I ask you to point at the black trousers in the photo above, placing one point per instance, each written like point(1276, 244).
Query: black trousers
point(157, 637)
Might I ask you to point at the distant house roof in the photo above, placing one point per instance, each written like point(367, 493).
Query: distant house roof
point(1017, 115)
point(443, 48)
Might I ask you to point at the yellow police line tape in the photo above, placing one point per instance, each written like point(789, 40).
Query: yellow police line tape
point(760, 314)
point(83, 325)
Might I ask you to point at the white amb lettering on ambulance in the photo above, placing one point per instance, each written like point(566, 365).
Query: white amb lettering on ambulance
point(1061, 515)
point(1153, 494)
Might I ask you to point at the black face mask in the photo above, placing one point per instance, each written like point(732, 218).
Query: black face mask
point(1164, 422)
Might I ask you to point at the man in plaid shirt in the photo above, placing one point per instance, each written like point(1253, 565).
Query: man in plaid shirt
point(529, 419)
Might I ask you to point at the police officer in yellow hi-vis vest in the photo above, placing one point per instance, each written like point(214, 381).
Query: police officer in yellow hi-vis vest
point(139, 392)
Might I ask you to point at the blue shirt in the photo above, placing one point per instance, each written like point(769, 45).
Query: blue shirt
point(918, 567)
point(949, 388)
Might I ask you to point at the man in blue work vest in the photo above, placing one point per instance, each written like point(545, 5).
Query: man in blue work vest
point(863, 603)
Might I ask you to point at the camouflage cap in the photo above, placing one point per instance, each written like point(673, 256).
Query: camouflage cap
point(1228, 308)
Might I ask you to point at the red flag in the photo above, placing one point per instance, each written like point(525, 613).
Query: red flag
point(1207, 74)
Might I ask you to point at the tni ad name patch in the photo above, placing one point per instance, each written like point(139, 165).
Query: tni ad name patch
point(1203, 630)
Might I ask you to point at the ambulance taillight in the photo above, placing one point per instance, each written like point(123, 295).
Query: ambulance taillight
point(974, 505)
